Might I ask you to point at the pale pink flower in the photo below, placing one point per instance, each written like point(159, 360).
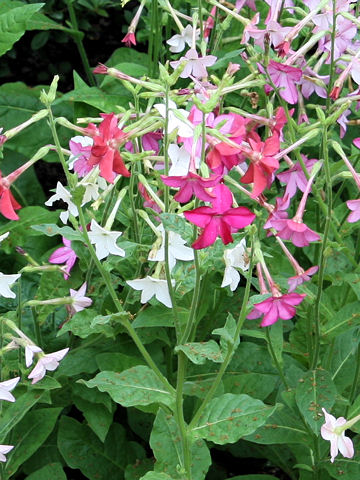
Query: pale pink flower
point(301, 277)
point(333, 430)
point(294, 177)
point(354, 206)
point(195, 65)
point(285, 78)
point(80, 302)
point(3, 450)
point(49, 362)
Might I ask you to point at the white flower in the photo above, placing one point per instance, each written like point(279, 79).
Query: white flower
point(177, 249)
point(5, 282)
point(3, 450)
point(334, 431)
point(105, 241)
point(80, 302)
point(177, 119)
point(180, 160)
point(65, 196)
point(6, 387)
point(178, 41)
point(152, 286)
point(47, 362)
point(234, 258)
point(5, 235)
point(30, 350)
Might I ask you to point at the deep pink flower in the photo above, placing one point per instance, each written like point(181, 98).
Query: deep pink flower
point(80, 148)
point(354, 206)
point(297, 280)
point(107, 139)
point(285, 77)
point(220, 220)
point(192, 184)
point(64, 255)
point(276, 307)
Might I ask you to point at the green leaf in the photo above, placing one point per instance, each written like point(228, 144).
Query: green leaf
point(81, 449)
point(347, 317)
point(158, 316)
point(167, 448)
point(78, 361)
point(199, 388)
point(227, 333)
point(156, 476)
point(176, 223)
point(117, 361)
point(127, 55)
point(277, 340)
point(14, 412)
point(50, 229)
point(199, 352)
point(137, 386)
point(223, 61)
point(315, 391)
point(53, 471)
point(81, 325)
point(29, 435)
point(254, 477)
point(99, 419)
point(230, 417)
point(346, 469)
point(13, 24)
point(257, 385)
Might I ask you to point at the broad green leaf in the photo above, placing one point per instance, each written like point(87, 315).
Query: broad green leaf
point(353, 412)
point(50, 229)
point(158, 316)
point(98, 418)
point(166, 445)
point(139, 469)
point(78, 361)
point(117, 361)
point(199, 352)
point(227, 333)
point(257, 385)
point(282, 427)
point(277, 340)
point(13, 24)
point(315, 391)
point(29, 435)
point(53, 471)
point(256, 476)
point(230, 417)
point(127, 55)
point(14, 412)
point(81, 325)
point(177, 224)
point(344, 468)
point(347, 317)
point(199, 388)
point(81, 449)
point(92, 395)
point(137, 386)
point(51, 285)
point(353, 280)
point(156, 476)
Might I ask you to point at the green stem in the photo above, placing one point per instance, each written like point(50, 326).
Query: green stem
point(37, 327)
point(230, 346)
point(79, 44)
point(190, 325)
point(355, 383)
point(179, 414)
point(59, 149)
point(126, 323)
point(322, 260)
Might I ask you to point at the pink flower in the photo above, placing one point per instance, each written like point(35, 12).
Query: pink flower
point(46, 362)
point(64, 255)
point(6, 387)
point(354, 206)
point(80, 302)
point(192, 184)
point(220, 220)
point(8, 204)
point(298, 232)
point(195, 65)
point(333, 430)
point(285, 77)
point(300, 278)
point(129, 39)
point(342, 121)
point(276, 307)
point(80, 148)
point(294, 177)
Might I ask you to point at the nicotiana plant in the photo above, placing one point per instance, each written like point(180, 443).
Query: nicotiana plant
point(198, 263)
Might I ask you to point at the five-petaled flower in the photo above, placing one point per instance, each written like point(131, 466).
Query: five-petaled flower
point(333, 430)
point(276, 307)
point(151, 286)
point(64, 255)
point(104, 240)
point(45, 362)
point(220, 220)
point(80, 302)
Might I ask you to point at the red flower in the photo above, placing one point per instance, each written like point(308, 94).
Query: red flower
point(129, 39)
point(107, 139)
point(220, 220)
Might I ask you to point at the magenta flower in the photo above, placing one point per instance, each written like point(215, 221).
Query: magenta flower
point(64, 255)
point(354, 206)
point(285, 77)
point(276, 307)
point(80, 148)
point(296, 231)
point(294, 178)
point(192, 184)
point(220, 220)
point(195, 65)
